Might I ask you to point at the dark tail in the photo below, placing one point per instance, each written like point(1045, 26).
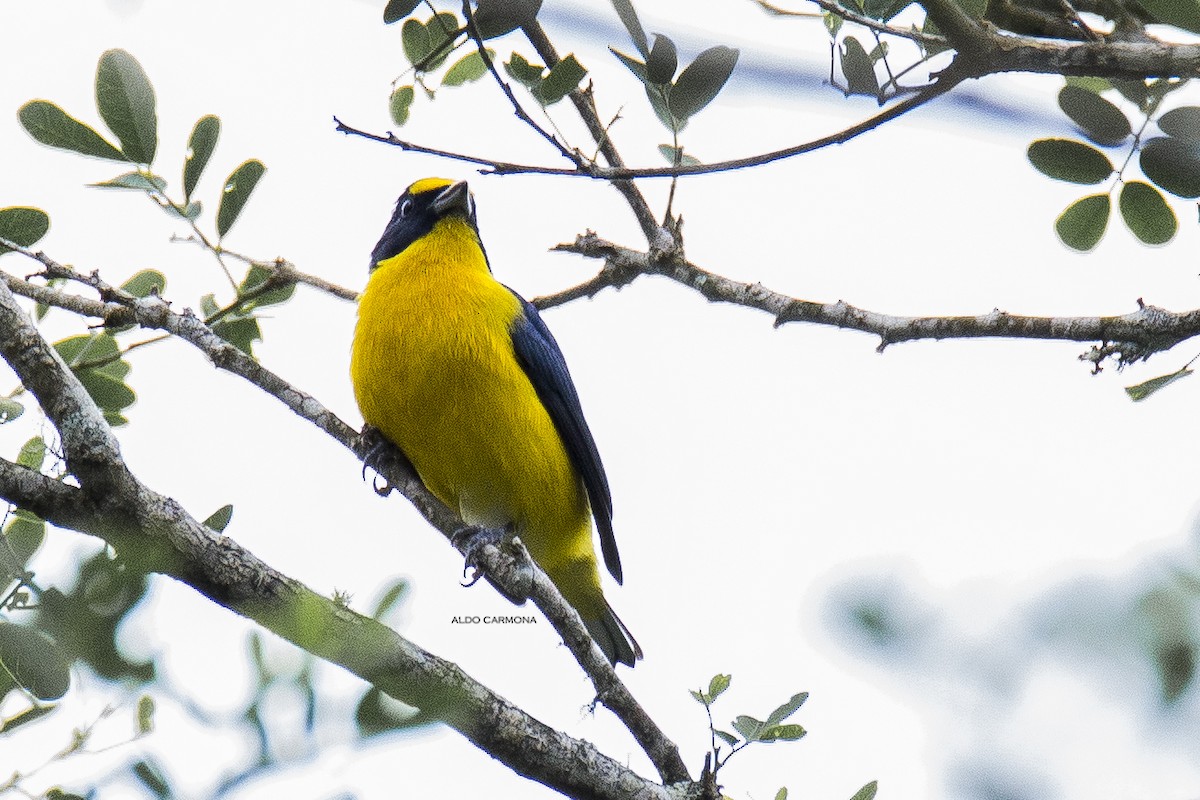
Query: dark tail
point(613, 637)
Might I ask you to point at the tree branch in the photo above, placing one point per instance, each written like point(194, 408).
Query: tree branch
point(1136, 335)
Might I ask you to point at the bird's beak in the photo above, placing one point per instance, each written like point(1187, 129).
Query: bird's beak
point(455, 197)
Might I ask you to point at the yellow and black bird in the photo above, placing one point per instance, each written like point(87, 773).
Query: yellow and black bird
point(463, 376)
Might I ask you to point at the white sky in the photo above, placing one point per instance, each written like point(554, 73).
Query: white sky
point(753, 470)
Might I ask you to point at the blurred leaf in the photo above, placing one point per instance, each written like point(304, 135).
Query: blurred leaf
point(1176, 664)
point(717, 686)
point(884, 10)
point(698, 696)
point(1182, 123)
point(33, 454)
point(672, 153)
point(24, 534)
point(1082, 225)
point(782, 733)
point(22, 225)
point(133, 180)
point(1100, 120)
point(833, 24)
point(145, 714)
point(629, 19)
point(151, 776)
point(867, 792)
point(974, 8)
point(126, 102)
point(562, 80)
point(786, 709)
point(1147, 214)
point(237, 191)
point(1068, 160)
point(398, 9)
point(632, 64)
point(145, 283)
point(497, 17)
point(858, 69)
point(51, 126)
point(1173, 164)
point(701, 80)
point(377, 713)
point(395, 592)
point(219, 519)
point(1180, 13)
point(201, 144)
point(781, 794)
point(109, 394)
point(399, 104)
point(34, 660)
point(523, 72)
point(663, 60)
point(1146, 388)
point(415, 40)
point(878, 52)
point(24, 718)
point(10, 409)
point(470, 67)
point(1091, 84)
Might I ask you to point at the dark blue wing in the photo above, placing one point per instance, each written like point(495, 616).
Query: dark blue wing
point(543, 362)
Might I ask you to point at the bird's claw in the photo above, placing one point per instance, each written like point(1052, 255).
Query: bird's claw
point(471, 540)
point(380, 456)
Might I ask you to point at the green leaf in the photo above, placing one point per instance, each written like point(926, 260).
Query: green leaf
point(109, 394)
point(1091, 84)
point(562, 80)
point(781, 794)
point(201, 144)
point(399, 104)
point(701, 80)
point(1180, 13)
point(133, 180)
point(145, 714)
point(1100, 120)
point(1173, 164)
point(442, 28)
point(377, 713)
point(22, 225)
point(390, 598)
point(629, 19)
point(219, 519)
point(675, 155)
point(884, 10)
point(787, 709)
point(10, 409)
point(470, 67)
point(34, 660)
point(241, 332)
point(663, 60)
point(497, 17)
point(51, 126)
point(782, 733)
point(415, 40)
point(699, 697)
point(238, 187)
point(833, 24)
point(23, 535)
point(24, 718)
point(727, 737)
point(145, 283)
point(858, 69)
point(523, 72)
point(1147, 214)
point(33, 454)
point(398, 9)
point(974, 8)
point(151, 776)
point(867, 792)
point(1144, 389)
point(1182, 123)
point(748, 727)
point(1082, 225)
point(717, 685)
point(632, 64)
point(126, 102)
point(1068, 160)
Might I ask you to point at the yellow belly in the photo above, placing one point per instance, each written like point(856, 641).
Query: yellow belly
point(433, 368)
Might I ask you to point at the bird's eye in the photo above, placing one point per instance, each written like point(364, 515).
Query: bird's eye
point(406, 207)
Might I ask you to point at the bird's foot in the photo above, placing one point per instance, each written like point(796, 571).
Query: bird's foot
point(380, 456)
point(472, 539)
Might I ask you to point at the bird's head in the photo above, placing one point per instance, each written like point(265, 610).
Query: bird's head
point(420, 207)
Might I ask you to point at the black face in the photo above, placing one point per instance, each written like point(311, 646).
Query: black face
point(416, 214)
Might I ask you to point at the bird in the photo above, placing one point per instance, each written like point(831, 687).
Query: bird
point(462, 375)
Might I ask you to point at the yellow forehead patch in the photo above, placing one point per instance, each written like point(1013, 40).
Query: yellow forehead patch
point(428, 185)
